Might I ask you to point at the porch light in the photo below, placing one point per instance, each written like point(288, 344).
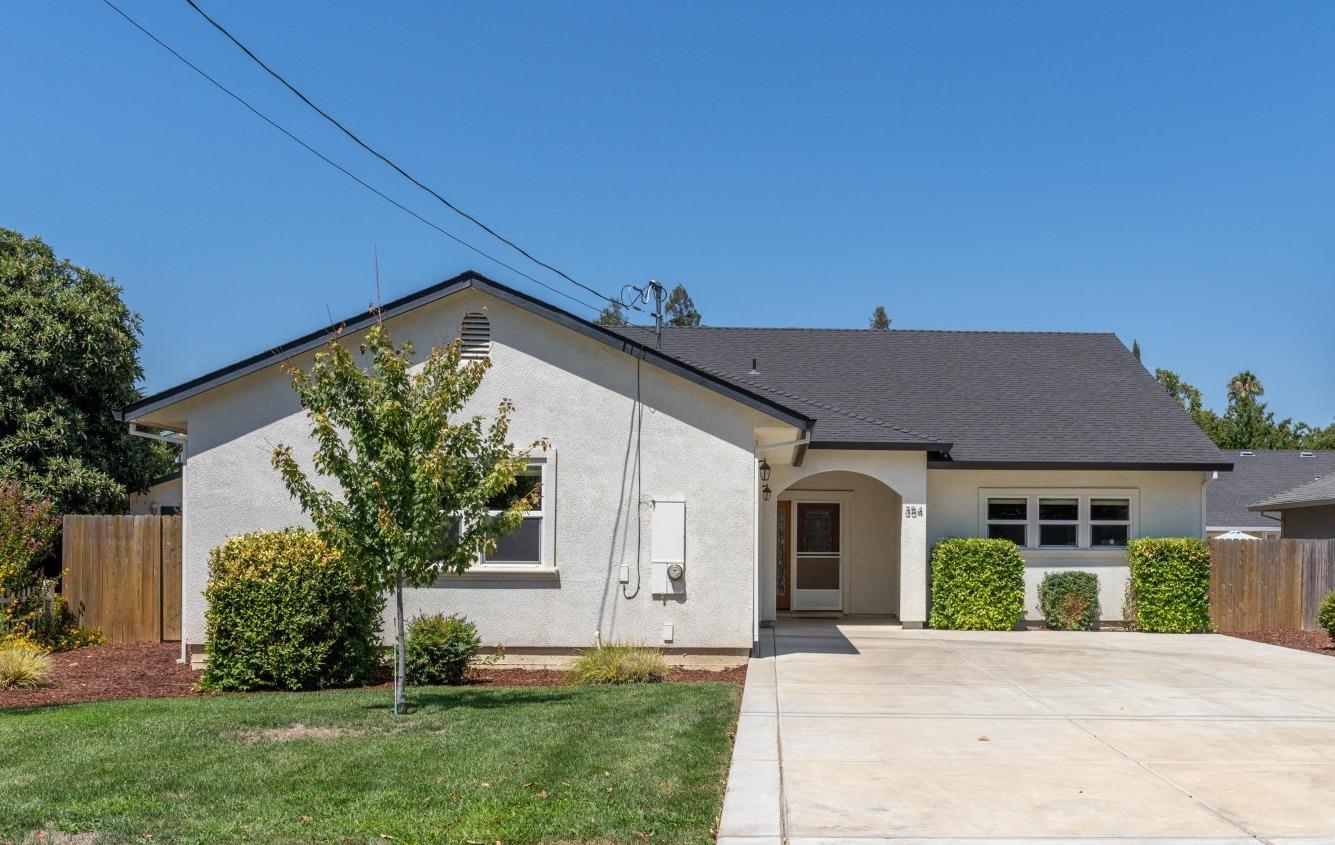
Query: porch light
point(764, 470)
point(765, 492)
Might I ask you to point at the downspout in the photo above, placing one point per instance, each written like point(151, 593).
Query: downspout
point(755, 557)
point(1210, 478)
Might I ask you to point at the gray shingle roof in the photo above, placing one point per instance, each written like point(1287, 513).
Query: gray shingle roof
point(987, 397)
point(1257, 476)
point(1314, 492)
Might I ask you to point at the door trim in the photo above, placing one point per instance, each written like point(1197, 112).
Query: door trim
point(842, 498)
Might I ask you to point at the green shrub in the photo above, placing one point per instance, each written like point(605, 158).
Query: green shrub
point(1325, 617)
point(617, 663)
point(977, 584)
point(1170, 577)
point(23, 667)
point(440, 649)
point(286, 612)
point(1070, 600)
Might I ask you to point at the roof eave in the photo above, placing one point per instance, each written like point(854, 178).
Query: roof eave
point(1098, 465)
point(1284, 506)
point(469, 279)
point(882, 446)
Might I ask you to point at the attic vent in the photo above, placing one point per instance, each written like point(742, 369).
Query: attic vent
point(1246, 453)
point(1306, 455)
point(475, 333)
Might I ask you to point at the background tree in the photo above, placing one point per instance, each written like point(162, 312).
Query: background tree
point(611, 315)
point(418, 483)
point(880, 321)
point(1245, 386)
point(680, 309)
point(1189, 397)
point(1247, 423)
point(1135, 349)
point(68, 357)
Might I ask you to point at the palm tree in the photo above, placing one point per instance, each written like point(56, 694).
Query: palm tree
point(1245, 386)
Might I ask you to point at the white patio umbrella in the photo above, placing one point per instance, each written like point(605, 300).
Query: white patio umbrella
point(1236, 535)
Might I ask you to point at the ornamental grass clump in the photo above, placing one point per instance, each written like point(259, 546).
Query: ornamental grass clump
point(617, 663)
point(286, 612)
point(1069, 600)
point(1170, 584)
point(441, 649)
point(977, 584)
point(23, 666)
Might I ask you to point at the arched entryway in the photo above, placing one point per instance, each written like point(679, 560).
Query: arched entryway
point(837, 545)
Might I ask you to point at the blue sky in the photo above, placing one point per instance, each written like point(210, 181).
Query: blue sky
point(1164, 171)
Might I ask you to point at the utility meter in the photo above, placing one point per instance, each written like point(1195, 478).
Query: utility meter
point(675, 571)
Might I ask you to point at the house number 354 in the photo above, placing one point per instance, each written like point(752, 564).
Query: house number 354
point(914, 511)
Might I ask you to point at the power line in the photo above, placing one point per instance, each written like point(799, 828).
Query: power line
point(340, 168)
point(405, 174)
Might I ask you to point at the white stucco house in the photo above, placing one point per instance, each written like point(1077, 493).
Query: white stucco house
point(693, 492)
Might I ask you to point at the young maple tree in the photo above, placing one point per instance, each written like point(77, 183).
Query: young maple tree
point(423, 490)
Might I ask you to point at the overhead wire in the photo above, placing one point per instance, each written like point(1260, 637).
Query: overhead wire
point(229, 92)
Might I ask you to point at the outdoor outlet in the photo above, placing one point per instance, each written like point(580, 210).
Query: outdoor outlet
point(625, 574)
point(667, 632)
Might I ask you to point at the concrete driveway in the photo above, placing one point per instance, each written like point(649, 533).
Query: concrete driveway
point(864, 732)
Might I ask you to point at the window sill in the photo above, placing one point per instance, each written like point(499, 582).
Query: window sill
point(504, 573)
point(1118, 552)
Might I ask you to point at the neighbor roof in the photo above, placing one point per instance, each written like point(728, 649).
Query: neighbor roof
point(991, 399)
point(1259, 474)
point(1318, 491)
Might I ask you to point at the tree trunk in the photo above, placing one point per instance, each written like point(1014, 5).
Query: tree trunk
point(400, 658)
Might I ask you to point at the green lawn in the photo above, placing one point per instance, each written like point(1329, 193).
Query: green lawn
point(535, 764)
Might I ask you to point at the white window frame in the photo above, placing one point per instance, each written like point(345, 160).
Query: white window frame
point(1082, 495)
point(544, 512)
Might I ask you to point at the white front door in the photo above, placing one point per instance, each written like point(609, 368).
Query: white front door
point(818, 565)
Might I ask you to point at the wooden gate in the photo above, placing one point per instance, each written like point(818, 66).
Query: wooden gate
point(122, 574)
point(1269, 585)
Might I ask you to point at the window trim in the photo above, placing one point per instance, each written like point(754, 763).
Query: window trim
point(1083, 523)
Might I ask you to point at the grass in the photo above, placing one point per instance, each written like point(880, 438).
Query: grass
point(517, 765)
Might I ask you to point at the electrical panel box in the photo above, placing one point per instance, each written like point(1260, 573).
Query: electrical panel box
point(667, 548)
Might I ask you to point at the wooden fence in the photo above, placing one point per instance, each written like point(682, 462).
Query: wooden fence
point(1267, 585)
point(122, 574)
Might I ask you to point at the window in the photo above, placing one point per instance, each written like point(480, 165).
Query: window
point(1059, 522)
point(1059, 519)
point(1008, 519)
point(524, 544)
point(1109, 522)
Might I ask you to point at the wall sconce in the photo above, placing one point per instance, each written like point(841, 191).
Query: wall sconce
point(765, 492)
point(764, 470)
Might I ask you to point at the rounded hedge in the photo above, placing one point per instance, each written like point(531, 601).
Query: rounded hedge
point(1070, 600)
point(1325, 616)
point(440, 649)
point(285, 612)
point(977, 584)
point(1170, 580)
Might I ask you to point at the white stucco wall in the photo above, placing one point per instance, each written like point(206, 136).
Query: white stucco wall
point(168, 493)
point(1169, 504)
point(610, 458)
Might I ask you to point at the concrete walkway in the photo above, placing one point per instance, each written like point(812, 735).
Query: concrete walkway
point(865, 733)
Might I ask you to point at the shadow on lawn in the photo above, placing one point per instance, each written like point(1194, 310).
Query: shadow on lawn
point(465, 698)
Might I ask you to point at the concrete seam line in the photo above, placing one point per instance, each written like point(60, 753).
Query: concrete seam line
point(1217, 813)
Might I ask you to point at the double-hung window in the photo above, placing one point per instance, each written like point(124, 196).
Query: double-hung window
point(524, 545)
point(1059, 519)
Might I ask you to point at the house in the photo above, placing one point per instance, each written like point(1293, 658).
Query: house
point(1306, 512)
point(1259, 474)
point(694, 491)
point(162, 498)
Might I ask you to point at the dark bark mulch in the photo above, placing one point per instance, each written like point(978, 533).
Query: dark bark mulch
point(150, 670)
point(1317, 642)
point(109, 672)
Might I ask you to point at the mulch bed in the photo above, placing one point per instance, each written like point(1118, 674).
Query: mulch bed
point(1317, 642)
point(150, 670)
point(109, 672)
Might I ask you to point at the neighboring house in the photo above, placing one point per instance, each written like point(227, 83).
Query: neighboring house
point(162, 498)
point(1259, 474)
point(1306, 512)
point(780, 469)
